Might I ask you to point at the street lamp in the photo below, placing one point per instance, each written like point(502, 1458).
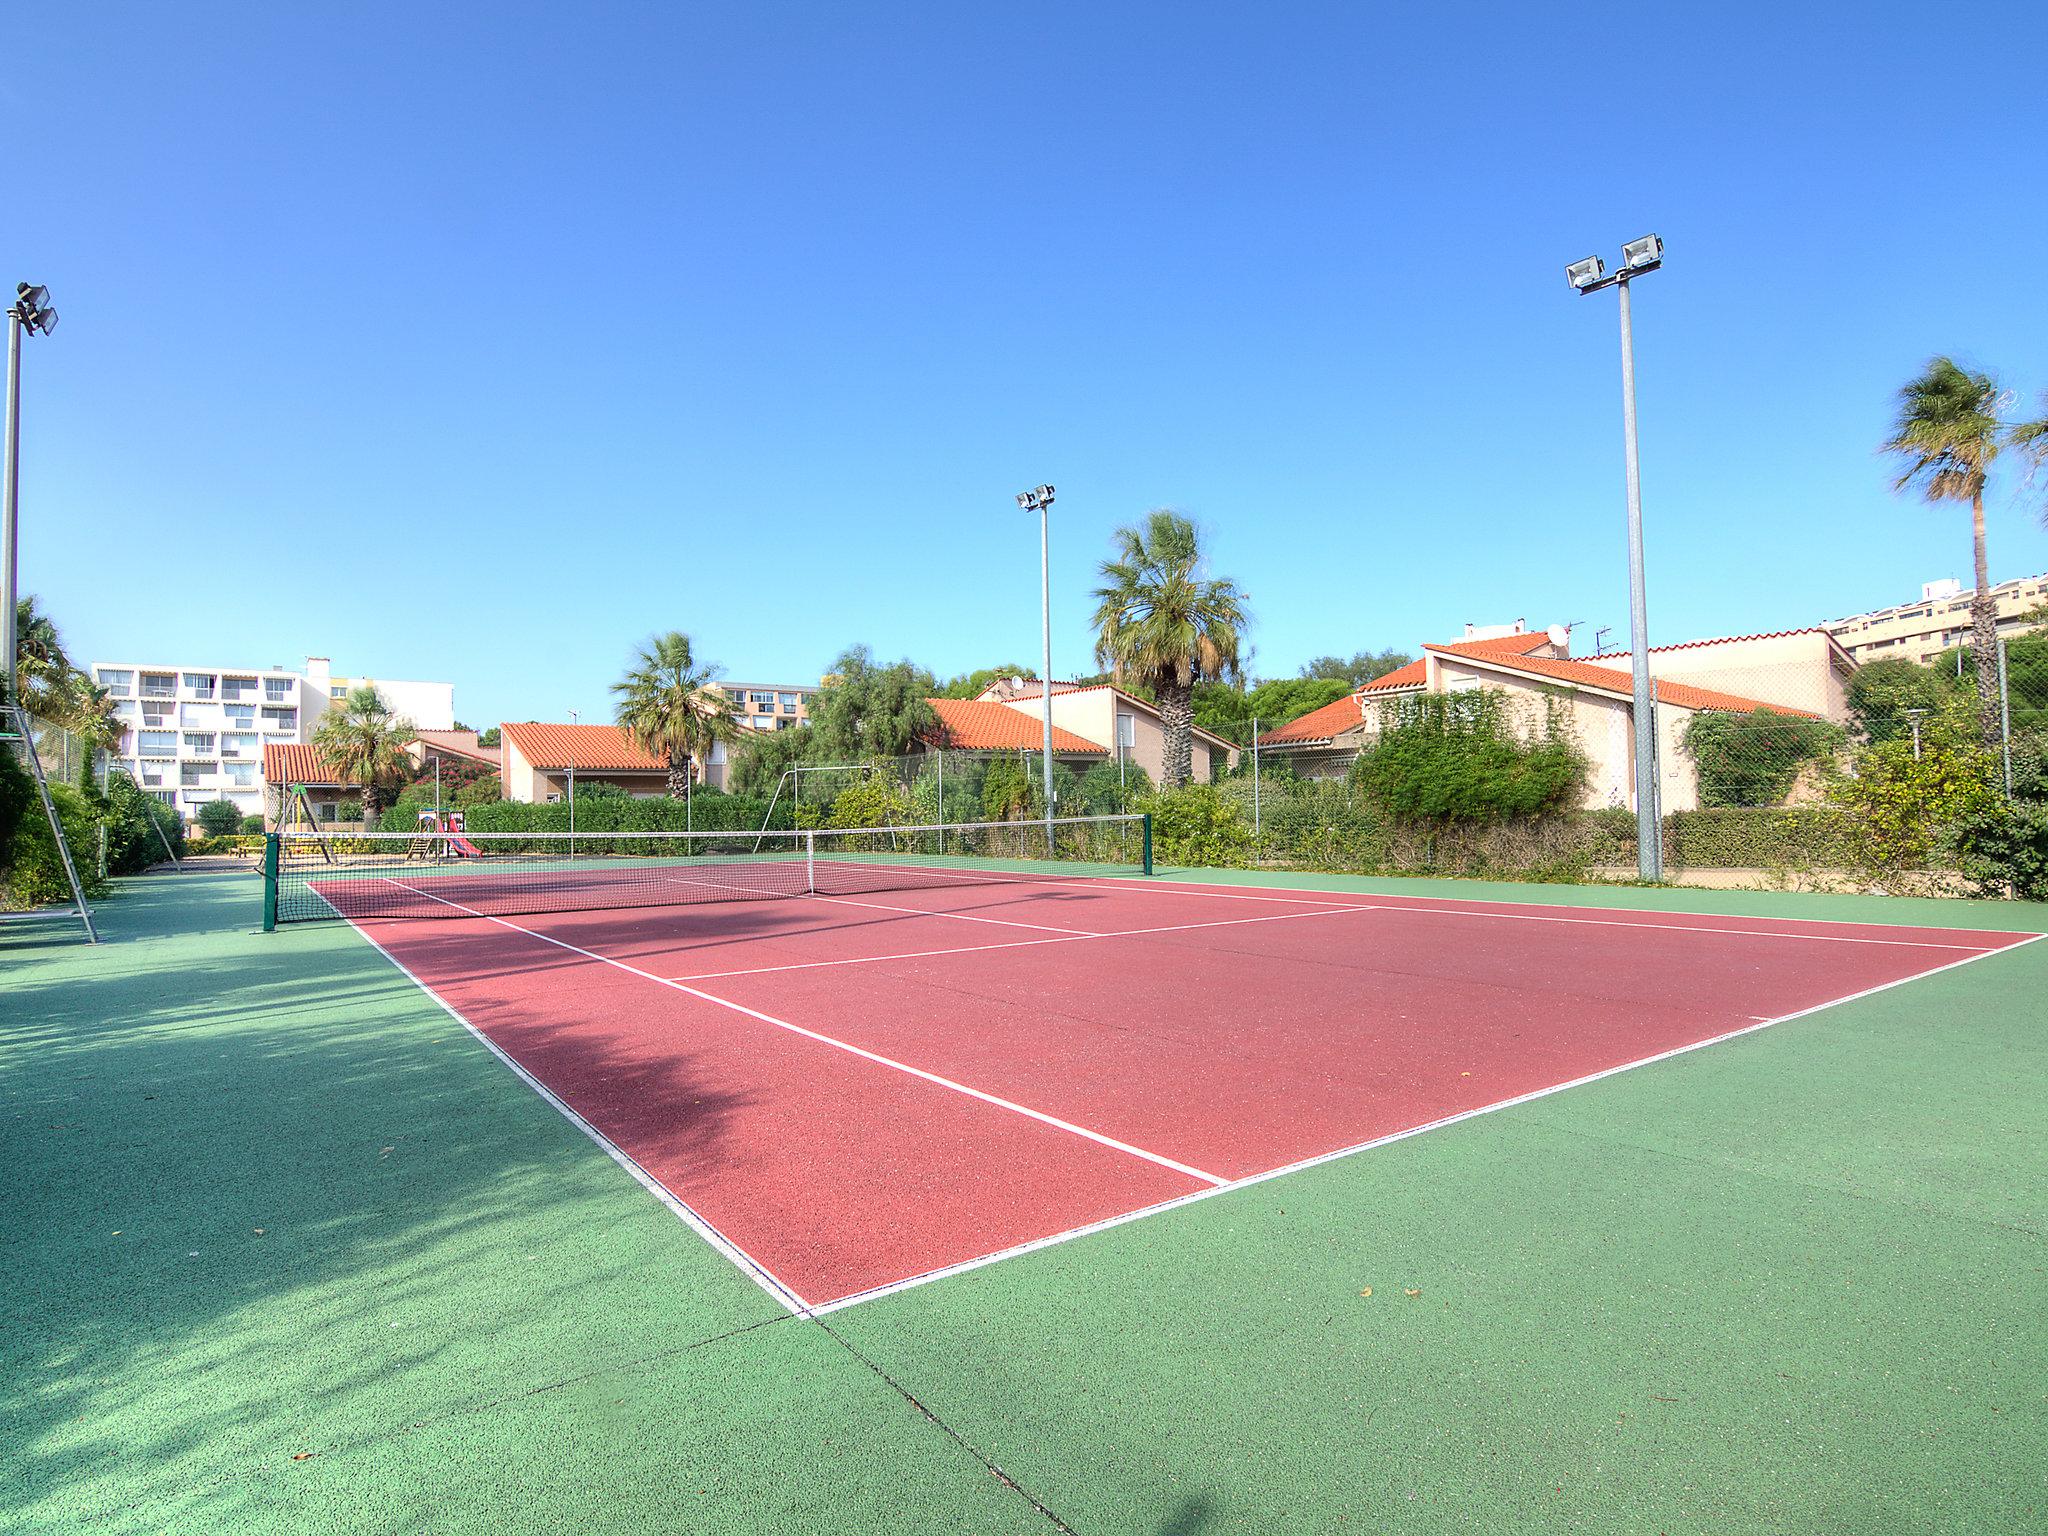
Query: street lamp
point(1590, 275)
point(30, 312)
point(1039, 500)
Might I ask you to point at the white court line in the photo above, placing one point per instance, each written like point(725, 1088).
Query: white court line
point(1056, 1238)
point(965, 917)
point(841, 1045)
point(1324, 910)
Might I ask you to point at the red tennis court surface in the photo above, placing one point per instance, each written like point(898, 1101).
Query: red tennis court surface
point(848, 1094)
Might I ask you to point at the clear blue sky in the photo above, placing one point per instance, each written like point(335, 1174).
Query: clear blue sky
point(478, 342)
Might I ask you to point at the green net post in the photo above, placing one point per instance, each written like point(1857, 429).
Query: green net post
point(270, 844)
point(1146, 820)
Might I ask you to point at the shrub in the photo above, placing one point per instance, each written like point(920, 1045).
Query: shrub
point(1005, 790)
point(17, 794)
point(1784, 837)
point(2003, 850)
point(1896, 805)
point(1104, 790)
point(1753, 759)
point(219, 818)
point(1455, 758)
point(874, 802)
point(1198, 824)
point(252, 825)
point(35, 873)
point(138, 826)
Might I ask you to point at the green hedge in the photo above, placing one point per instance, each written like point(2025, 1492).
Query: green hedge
point(709, 811)
point(1783, 837)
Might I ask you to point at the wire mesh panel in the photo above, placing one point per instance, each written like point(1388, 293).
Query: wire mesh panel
point(397, 874)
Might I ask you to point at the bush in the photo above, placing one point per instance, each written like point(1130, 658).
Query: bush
point(1753, 759)
point(1005, 790)
point(138, 826)
point(252, 824)
point(219, 818)
point(1896, 806)
point(873, 802)
point(1198, 824)
point(1455, 758)
point(2003, 850)
point(35, 873)
point(1786, 837)
point(17, 794)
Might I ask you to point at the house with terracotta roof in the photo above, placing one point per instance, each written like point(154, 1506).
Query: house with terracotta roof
point(538, 758)
point(982, 725)
point(454, 749)
point(1802, 673)
point(1122, 724)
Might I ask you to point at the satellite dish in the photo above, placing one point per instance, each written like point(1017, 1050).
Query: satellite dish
point(1559, 636)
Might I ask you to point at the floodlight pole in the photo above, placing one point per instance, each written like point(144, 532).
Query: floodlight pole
point(9, 509)
point(1040, 500)
point(572, 783)
point(1640, 256)
point(30, 311)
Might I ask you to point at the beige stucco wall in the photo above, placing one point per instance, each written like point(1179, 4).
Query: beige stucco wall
point(1798, 671)
point(1090, 713)
point(520, 780)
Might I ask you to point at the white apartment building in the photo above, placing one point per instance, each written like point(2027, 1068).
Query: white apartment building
point(1921, 631)
point(196, 734)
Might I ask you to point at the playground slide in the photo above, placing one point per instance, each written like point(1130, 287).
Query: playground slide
point(464, 846)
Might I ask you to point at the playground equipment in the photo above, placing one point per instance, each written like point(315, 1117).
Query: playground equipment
point(440, 836)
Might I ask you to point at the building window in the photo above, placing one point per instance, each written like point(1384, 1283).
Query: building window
point(199, 741)
point(241, 714)
point(116, 679)
point(1126, 731)
point(190, 773)
point(201, 685)
point(281, 719)
point(236, 687)
point(338, 691)
point(243, 775)
point(155, 773)
point(159, 685)
point(158, 744)
point(277, 689)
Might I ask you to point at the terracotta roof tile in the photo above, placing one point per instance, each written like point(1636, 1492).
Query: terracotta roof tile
point(296, 762)
point(977, 725)
point(1587, 675)
point(460, 744)
point(598, 748)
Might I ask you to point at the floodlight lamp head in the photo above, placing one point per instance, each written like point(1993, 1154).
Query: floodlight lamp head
point(1583, 274)
point(1024, 500)
point(46, 321)
point(1641, 255)
point(31, 295)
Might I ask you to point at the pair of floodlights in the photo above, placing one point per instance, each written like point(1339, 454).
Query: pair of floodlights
point(1638, 256)
point(32, 308)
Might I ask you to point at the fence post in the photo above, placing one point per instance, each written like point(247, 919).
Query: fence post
point(270, 842)
point(1146, 821)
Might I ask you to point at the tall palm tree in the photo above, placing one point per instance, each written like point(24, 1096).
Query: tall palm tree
point(40, 662)
point(1164, 625)
point(2029, 439)
point(667, 705)
point(364, 743)
point(1945, 438)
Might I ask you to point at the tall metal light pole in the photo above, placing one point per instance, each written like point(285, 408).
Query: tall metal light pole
point(1039, 500)
point(572, 783)
point(30, 312)
point(1590, 276)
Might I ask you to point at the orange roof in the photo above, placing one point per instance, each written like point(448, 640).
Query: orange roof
point(1502, 645)
point(1332, 720)
point(1613, 679)
point(459, 744)
point(1774, 634)
point(598, 748)
point(296, 762)
point(1414, 675)
point(976, 725)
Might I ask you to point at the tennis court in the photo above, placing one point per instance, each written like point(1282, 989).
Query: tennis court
point(908, 1064)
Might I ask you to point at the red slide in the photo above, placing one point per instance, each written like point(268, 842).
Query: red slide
point(464, 846)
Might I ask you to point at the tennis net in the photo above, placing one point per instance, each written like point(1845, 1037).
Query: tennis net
point(308, 876)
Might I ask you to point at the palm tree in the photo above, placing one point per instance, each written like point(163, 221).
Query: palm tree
point(1945, 438)
point(364, 743)
point(2029, 439)
point(40, 662)
point(667, 705)
point(1161, 624)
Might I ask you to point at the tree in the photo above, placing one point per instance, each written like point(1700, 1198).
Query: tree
point(219, 818)
point(364, 743)
point(763, 757)
point(1361, 669)
point(1162, 624)
point(970, 684)
point(1945, 437)
point(1754, 759)
point(1887, 698)
point(667, 705)
point(487, 738)
point(2029, 439)
point(865, 711)
point(1229, 712)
